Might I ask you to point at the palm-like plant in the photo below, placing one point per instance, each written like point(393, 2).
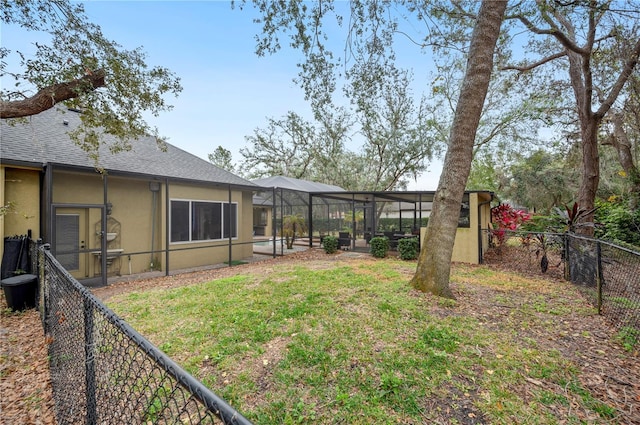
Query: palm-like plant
point(575, 217)
point(292, 226)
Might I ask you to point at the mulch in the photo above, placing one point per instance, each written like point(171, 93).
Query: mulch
point(25, 385)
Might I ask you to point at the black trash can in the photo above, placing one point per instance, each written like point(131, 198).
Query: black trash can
point(20, 291)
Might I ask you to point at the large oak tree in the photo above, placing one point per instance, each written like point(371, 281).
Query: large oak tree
point(76, 64)
point(595, 45)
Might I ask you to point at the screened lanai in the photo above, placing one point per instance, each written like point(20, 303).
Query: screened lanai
point(352, 216)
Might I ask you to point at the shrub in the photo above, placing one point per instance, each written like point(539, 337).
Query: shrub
point(544, 223)
point(617, 222)
point(379, 246)
point(330, 244)
point(506, 218)
point(408, 248)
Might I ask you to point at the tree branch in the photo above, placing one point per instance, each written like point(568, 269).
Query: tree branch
point(632, 61)
point(533, 65)
point(47, 97)
point(554, 32)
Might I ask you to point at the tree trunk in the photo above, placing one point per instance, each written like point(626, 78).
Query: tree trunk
point(434, 263)
point(590, 172)
point(620, 141)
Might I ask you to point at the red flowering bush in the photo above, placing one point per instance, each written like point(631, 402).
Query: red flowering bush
point(506, 218)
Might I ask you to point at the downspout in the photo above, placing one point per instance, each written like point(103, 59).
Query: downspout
point(103, 231)
point(480, 205)
point(154, 187)
point(167, 226)
point(48, 234)
point(229, 229)
point(310, 220)
point(153, 227)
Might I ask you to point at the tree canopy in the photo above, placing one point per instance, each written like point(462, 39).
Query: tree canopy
point(594, 46)
point(79, 66)
point(390, 131)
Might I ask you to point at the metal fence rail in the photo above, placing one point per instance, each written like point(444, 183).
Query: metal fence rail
point(104, 372)
point(608, 275)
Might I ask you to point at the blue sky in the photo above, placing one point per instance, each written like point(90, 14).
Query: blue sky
point(228, 90)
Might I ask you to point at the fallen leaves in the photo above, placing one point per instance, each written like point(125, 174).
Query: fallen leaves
point(25, 385)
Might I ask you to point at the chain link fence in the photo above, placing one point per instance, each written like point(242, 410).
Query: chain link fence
point(608, 274)
point(104, 372)
point(533, 254)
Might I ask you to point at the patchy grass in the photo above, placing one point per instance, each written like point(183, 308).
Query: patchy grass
point(353, 343)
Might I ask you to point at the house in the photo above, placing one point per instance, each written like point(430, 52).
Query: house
point(331, 210)
point(147, 209)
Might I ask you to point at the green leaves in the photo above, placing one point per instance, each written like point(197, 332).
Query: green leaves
point(77, 48)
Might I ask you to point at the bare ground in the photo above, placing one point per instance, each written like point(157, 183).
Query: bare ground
point(609, 373)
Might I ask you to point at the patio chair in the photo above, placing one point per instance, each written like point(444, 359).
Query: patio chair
point(393, 240)
point(344, 240)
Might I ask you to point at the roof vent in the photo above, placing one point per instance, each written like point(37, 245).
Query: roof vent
point(65, 122)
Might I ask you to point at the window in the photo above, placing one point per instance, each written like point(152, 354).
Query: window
point(67, 237)
point(202, 220)
point(179, 221)
point(231, 220)
point(207, 221)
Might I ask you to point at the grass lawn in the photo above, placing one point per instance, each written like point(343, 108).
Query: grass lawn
point(330, 342)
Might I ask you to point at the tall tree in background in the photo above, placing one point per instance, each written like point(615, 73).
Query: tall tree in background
point(579, 37)
point(222, 158)
point(82, 68)
point(624, 138)
point(543, 180)
point(398, 141)
point(285, 148)
point(512, 115)
point(391, 132)
point(434, 265)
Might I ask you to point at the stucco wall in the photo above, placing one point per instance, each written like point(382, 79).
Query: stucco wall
point(466, 245)
point(21, 187)
point(133, 205)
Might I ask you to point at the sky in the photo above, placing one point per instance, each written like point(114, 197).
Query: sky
point(228, 90)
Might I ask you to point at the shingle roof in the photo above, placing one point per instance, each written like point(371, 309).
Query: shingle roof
point(297, 184)
point(44, 139)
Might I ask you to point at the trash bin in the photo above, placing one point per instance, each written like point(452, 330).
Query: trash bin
point(20, 291)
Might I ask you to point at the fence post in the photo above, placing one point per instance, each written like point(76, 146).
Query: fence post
point(599, 279)
point(44, 286)
point(567, 265)
point(90, 368)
